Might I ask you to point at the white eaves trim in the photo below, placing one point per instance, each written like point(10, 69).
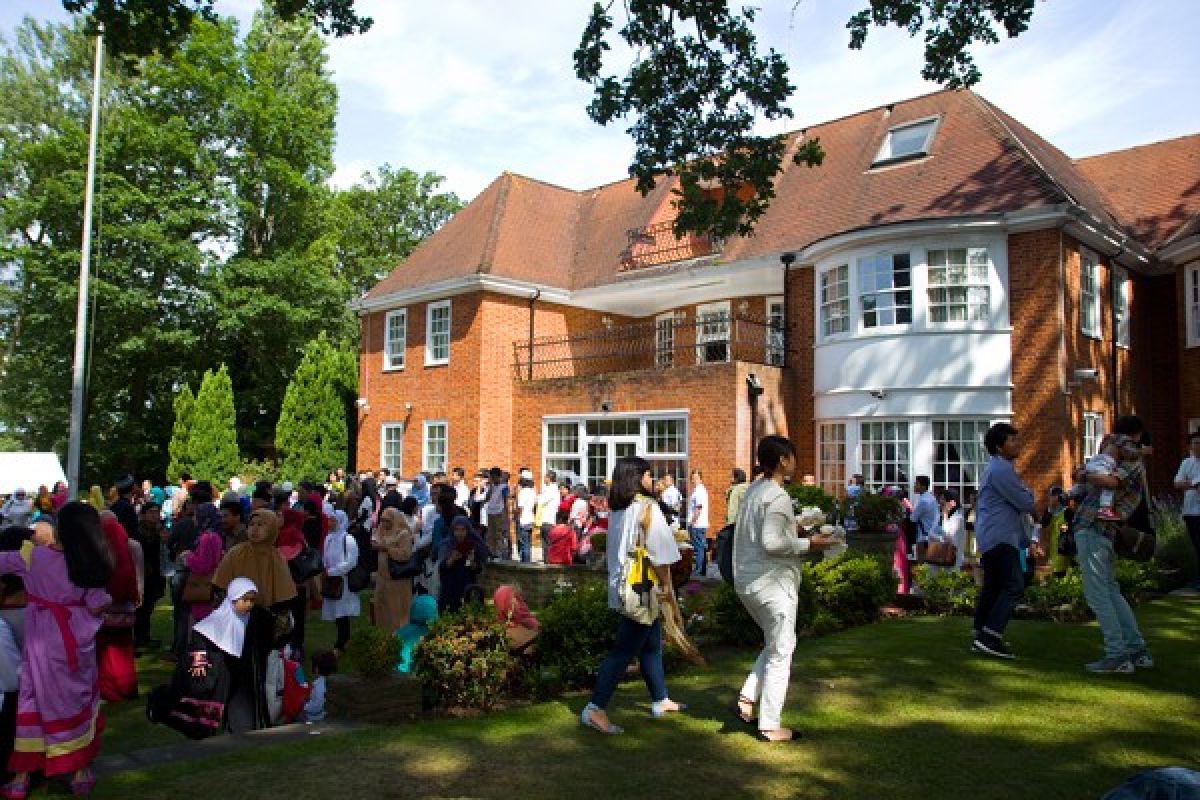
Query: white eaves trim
point(464, 285)
point(1181, 252)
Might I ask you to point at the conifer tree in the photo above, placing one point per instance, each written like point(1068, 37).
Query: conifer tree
point(312, 434)
point(181, 433)
point(212, 444)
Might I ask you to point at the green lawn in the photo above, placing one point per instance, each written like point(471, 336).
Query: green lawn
point(900, 709)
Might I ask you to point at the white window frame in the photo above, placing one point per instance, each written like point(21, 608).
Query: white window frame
point(428, 459)
point(720, 334)
point(1191, 303)
point(974, 289)
point(396, 467)
point(664, 340)
point(1121, 304)
point(1089, 301)
point(894, 292)
point(389, 362)
point(831, 456)
point(902, 466)
point(886, 154)
point(1093, 432)
point(430, 359)
point(675, 462)
point(962, 443)
point(835, 310)
point(563, 455)
point(776, 325)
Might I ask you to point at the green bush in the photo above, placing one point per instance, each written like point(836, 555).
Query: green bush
point(464, 660)
point(853, 587)
point(947, 592)
point(577, 628)
point(873, 512)
point(1174, 552)
point(806, 496)
point(599, 542)
point(373, 652)
point(253, 471)
point(1138, 579)
point(1058, 598)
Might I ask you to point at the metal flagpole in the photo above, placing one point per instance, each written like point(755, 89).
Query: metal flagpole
point(75, 439)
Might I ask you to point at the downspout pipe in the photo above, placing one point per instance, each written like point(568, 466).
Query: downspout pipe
point(533, 298)
point(1112, 312)
point(786, 259)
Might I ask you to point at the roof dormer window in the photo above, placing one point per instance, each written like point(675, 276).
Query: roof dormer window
point(907, 141)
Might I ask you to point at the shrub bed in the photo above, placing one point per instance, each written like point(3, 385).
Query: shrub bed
point(464, 661)
point(577, 628)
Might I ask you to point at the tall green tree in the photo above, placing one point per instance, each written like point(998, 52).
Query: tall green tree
point(212, 443)
point(158, 196)
point(312, 435)
point(382, 218)
point(179, 448)
point(280, 287)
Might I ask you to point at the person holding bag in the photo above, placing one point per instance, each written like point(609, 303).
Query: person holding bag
point(641, 551)
point(338, 602)
point(393, 542)
point(767, 555)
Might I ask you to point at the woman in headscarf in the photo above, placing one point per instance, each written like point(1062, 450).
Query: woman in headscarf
point(60, 496)
point(421, 490)
point(114, 642)
point(261, 561)
point(210, 547)
point(95, 498)
point(219, 685)
point(520, 624)
point(43, 503)
point(339, 557)
point(393, 539)
point(424, 613)
point(58, 703)
point(463, 555)
point(368, 509)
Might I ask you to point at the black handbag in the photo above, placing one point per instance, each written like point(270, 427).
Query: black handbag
point(402, 570)
point(306, 565)
point(359, 577)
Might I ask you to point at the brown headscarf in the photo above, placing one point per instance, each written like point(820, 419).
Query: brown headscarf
point(261, 562)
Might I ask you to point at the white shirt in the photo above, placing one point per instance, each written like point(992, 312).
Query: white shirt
point(698, 507)
point(526, 500)
point(462, 494)
point(672, 498)
point(624, 528)
point(548, 503)
point(1189, 471)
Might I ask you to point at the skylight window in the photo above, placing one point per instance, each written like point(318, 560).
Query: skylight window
point(907, 141)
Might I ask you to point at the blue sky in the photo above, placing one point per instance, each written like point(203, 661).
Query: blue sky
point(470, 88)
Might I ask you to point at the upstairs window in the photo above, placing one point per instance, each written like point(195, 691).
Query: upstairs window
point(885, 290)
point(1121, 306)
point(1192, 304)
point(437, 333)
point(835, 300)
point(1089, 295)
point(911, 140)
point(395, 334)
point(958, 285)
point(776, 349)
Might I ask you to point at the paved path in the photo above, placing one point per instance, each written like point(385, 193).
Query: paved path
point(188, 750)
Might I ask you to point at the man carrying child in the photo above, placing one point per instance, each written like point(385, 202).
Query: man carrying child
point(1124, 647)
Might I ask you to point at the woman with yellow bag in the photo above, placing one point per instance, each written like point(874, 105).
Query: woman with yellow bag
point(641, 550)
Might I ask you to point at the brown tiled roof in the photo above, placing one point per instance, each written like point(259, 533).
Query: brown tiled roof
point(1154, 188)
point(981, 162)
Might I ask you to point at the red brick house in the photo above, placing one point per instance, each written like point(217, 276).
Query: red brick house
point(945, 268)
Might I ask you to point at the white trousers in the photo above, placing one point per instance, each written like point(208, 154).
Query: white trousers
point(774, 609)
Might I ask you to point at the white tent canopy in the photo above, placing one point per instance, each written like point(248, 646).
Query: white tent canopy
point(28, 471)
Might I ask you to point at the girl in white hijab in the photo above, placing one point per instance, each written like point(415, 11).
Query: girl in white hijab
point(226, 627)
point(340, 556)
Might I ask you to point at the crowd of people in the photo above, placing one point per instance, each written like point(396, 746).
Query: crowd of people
point(243, 567)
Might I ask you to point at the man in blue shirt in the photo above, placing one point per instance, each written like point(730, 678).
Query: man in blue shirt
point(999, 536)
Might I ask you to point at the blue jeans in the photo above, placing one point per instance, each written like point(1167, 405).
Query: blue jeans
point(634, 640)
point(525, 543)
point(1118, 626)
point(699, 542)
point(1003, 585)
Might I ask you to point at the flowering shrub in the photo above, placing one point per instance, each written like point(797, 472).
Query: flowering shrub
point(577, 628)
point(947, 592)
point(852, 588)
point(464, 661)
point(373, 652)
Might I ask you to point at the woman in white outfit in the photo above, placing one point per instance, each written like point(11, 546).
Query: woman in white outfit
point(767, 556)
point(340, 556)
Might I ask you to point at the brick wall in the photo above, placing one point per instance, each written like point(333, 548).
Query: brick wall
point(1189, 361)
point(798, 391)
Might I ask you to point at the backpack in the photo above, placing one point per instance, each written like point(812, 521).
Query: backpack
point(724, 546)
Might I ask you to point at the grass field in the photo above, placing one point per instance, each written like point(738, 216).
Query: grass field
point(899, 710)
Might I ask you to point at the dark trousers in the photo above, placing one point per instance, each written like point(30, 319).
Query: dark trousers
point(1003, 586)
point(141, 622)
point(181, 612)
point(299, 609)
point(343, 633)
point(634, 640)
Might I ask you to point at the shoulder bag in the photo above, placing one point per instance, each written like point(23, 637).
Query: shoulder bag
point(404, 570)
point(1133, 543)
point(305, 565)
point(639, 595)
point(197, 589)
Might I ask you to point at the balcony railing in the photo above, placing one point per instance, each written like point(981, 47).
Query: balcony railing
point(656, 244)
point(667, 343)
